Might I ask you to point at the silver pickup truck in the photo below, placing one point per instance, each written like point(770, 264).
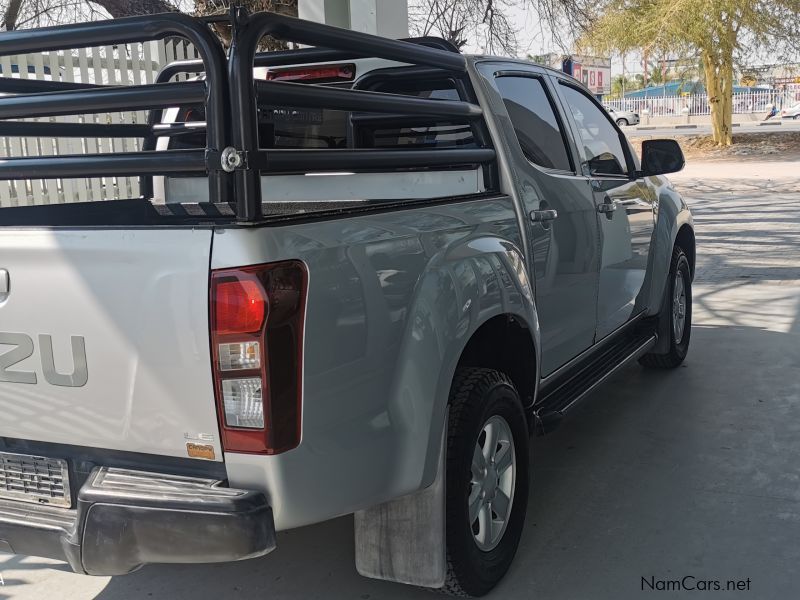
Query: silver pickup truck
point(360, 276)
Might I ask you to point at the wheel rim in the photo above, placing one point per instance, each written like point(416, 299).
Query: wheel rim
point(679, 307)
point(491, 494)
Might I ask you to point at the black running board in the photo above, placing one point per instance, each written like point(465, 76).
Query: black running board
point(566, 393)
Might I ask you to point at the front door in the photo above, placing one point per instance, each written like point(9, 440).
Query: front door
point(562, 224)
point(624, 208)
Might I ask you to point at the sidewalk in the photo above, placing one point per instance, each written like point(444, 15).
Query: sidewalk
point(771, 123)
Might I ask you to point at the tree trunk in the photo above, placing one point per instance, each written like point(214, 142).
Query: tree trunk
point(129, 8)
point(718, 69)
point(11, 15)
point(214, 7)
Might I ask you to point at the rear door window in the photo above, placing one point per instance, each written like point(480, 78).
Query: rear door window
point(538, 130)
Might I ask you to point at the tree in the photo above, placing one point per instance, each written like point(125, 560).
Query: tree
point(214, 7)
point(486, 22)
point(40, 13)
point(129, 8)
point(11, 14)
point(717, 30)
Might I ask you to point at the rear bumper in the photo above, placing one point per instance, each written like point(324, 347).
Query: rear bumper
point(125, 519)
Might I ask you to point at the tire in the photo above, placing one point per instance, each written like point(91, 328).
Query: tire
point(481, 399)
point(622, 122)
point(679, 339)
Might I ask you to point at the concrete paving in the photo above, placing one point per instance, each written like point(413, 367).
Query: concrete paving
point(679, 128)
point(663, 475)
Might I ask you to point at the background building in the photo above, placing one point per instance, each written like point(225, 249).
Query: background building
point(388, 18)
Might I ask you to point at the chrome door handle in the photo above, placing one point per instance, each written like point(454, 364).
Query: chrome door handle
point(542, 216)
point(607, 207)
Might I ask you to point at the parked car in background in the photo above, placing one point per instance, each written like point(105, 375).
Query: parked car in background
point(623, 117)
point(791, 113)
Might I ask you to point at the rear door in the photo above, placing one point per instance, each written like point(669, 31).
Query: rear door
point(625, 209)
point(564, 243)
point(104, 338)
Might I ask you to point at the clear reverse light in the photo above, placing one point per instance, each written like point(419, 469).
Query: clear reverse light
point(243, 402)
point(239, 355)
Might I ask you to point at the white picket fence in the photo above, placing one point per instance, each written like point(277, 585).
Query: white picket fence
point(755, 101)
point(129, 64)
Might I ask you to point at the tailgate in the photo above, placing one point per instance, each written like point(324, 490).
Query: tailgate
point(104, 339)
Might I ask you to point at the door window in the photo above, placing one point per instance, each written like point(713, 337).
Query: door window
point(535, 123)
point(601, 142)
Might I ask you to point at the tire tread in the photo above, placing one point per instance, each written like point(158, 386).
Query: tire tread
point(469, 386)
point(670, 360)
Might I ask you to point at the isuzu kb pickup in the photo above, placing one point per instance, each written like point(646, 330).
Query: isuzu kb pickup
point(360, 276)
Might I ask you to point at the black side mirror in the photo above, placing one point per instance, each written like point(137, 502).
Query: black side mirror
point(660, 157)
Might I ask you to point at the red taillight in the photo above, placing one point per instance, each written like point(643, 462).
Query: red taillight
point(257, 318)
point(320, 74)
point(239, 305)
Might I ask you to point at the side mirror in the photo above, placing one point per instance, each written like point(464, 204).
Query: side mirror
point(660, 157)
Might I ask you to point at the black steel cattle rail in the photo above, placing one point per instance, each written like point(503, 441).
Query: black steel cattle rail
point(232, 157)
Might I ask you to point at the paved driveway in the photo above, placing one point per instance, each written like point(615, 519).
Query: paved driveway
point(694, 472)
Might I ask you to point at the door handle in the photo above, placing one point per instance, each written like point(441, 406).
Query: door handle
point(543, 216)
point(607, 207)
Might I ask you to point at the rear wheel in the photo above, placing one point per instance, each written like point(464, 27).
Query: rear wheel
point(487, 480)
point(676, 314)
point(622, 122)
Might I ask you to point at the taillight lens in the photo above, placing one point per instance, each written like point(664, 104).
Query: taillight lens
point(239, 305)
point(257, 318)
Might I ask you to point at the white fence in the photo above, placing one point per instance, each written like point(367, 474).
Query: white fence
point(756, 101)
point(130, 64)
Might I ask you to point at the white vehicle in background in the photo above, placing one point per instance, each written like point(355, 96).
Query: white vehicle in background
point(792, 112)
point(622, 117)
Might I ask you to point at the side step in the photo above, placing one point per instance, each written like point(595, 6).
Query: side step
point(566, 392)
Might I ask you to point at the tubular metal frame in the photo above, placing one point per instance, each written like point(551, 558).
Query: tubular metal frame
point(232, 157)
point(82, 99)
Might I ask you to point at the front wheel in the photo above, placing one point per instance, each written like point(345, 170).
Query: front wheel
point(622, 122)
point(676, 314)
point(487, 480)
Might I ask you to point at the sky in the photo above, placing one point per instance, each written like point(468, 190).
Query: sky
point(536, 38)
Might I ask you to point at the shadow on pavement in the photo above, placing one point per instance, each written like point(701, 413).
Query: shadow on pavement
point(660, 473)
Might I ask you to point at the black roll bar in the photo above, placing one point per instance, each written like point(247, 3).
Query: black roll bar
point(107, 99)
point(73, 130)
point(10, 85)
point(232, 156)
point(123, 31)
point(100, 165)
point(293, 161)
point(302, 95)
point(248, 31)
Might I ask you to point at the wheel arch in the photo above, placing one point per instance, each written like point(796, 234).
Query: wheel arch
point(674, 225)
point(505, 343)
point(686, 240)
point(500, 308)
